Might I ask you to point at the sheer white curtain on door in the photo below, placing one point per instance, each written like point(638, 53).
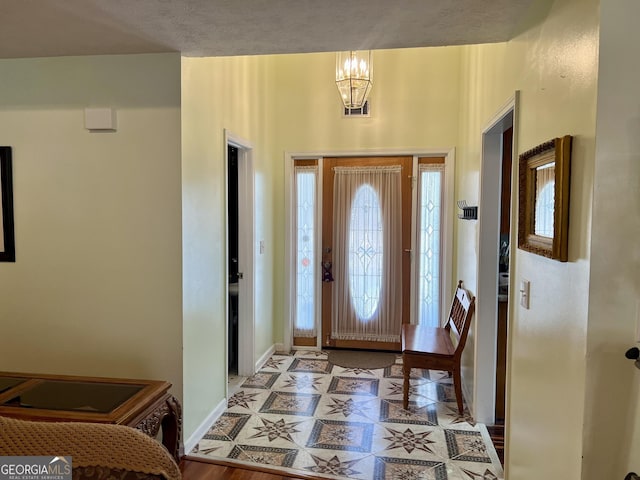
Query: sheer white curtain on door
point(367, 254)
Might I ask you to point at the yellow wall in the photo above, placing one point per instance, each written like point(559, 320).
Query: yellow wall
point(218, 94)
point(281, 103)
point(553, 63)
point(96, 286)
point(612, 414)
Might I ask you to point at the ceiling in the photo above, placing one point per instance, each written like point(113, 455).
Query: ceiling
point(41, 28)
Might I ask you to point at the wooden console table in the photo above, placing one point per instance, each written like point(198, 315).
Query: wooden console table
point(145, 405)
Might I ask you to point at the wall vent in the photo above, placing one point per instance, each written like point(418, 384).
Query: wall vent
point(363, 111)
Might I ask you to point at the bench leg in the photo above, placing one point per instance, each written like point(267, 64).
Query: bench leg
point(406, 373)
point(457, 385)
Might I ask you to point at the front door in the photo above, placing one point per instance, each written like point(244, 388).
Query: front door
point(366, 251)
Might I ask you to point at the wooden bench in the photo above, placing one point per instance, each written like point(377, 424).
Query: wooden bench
point(433, 348)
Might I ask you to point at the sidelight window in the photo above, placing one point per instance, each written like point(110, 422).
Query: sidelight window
point(306, 261)
point(430, 193)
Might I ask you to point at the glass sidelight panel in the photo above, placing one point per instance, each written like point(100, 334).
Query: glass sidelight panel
point(306, 262)
point(429, 243)
point(305, 270)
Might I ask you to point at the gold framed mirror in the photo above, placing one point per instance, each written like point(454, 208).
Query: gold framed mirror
point(543, 220)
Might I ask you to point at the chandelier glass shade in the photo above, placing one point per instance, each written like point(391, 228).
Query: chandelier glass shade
point(354, 77)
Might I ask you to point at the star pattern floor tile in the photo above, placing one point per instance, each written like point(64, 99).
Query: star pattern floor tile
point(409, 440)
point(301, 414)
point(279, 457)
point(391, 411)
point(310, 365)
point(261, 379)
point(338, 435)
point(395, 371)
point(291, 403)
point(347, 407)
point(354, 386)
point(466, 445)
point(228, 426)
point(389, 468)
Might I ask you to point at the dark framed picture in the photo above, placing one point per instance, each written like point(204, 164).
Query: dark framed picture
point(7, 235)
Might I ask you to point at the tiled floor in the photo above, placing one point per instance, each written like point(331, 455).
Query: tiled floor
point(235, 384)
point(303, 414)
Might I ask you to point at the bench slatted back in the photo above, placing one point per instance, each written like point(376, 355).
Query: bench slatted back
point(459, 320)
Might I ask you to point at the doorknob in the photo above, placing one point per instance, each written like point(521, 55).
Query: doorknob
point(634, 354)
point(632, 476)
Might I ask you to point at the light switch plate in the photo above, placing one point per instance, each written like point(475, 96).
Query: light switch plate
point(525, 288)
point(100, 119)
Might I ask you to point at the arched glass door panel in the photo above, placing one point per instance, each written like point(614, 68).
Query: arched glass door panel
point(366, 252)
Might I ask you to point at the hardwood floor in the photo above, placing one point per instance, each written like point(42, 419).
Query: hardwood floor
point(202, 470)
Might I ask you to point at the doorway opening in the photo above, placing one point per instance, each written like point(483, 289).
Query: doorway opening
point(232, 258)
point(494, 268)
point(239, 208)
point(503, 273)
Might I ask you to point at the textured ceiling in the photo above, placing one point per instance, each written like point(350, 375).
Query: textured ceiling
point(39, 28)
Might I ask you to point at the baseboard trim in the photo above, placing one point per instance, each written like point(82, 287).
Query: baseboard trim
point(265, 356)
point(280, 347)
point(204, 427)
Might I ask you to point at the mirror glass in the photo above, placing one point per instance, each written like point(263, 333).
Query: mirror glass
point(544, 200)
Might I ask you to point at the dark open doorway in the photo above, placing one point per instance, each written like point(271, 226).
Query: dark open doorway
point(232, 260)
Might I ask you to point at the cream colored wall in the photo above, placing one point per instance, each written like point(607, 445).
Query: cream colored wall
point(96, 286)
point(414, 103)
point(612, 413)
point(217, 94)
point(553, 62)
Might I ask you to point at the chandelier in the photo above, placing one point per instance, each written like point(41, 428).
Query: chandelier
point(354, 77)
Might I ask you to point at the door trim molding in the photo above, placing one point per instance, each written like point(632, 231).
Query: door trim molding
point(289, 267)
point(246, 253)
point(487, 276)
